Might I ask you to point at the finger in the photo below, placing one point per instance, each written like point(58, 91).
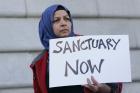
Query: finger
point(94, 81)
point(91, 86)
point(85, 86)
point(88, 81)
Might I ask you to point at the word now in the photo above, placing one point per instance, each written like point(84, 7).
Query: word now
point(83, 67)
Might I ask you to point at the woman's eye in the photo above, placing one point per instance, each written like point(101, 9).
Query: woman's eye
point(55, 20)
point(68, 19)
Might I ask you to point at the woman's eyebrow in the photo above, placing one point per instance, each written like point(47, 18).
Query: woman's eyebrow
point(59, 16)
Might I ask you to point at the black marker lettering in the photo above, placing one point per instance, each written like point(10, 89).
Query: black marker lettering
point(60, 48)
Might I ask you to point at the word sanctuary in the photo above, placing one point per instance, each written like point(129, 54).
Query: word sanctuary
point(87, 44)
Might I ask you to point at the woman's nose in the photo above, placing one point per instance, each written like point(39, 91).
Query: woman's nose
point(63, 22)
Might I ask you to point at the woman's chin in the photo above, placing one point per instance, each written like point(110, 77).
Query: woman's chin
point(64, 35)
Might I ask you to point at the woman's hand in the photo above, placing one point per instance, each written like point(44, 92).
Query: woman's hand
point(96, 87)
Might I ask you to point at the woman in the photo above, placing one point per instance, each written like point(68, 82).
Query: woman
point(56, 22)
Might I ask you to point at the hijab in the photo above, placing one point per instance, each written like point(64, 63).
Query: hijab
point(46, 25)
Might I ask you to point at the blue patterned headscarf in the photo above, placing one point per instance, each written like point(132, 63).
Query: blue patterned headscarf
point(46, 26)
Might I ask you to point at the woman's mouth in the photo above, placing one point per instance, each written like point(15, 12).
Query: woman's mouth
point(64, 30)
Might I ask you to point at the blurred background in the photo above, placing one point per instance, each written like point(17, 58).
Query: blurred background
point(20, 44)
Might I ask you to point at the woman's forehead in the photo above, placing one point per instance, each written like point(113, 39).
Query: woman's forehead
point(59, 13)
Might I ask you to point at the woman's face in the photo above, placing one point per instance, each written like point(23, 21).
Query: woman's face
point(61, 24)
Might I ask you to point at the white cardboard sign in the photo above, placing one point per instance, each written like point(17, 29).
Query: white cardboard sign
point(74, 59)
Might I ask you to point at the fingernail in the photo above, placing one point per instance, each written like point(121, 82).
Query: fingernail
point(88, 81)
point(92, 77)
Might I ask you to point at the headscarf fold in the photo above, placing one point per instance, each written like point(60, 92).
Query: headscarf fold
point(46, 25)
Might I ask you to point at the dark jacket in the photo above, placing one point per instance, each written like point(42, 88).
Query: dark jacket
point(39, 68)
